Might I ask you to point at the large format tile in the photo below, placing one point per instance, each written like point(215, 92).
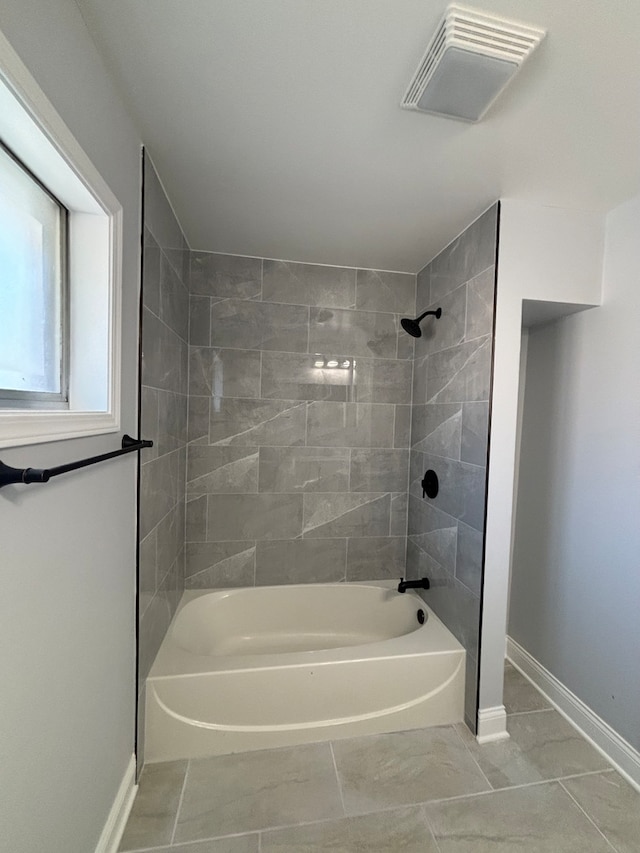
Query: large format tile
point(447, 330)
point(402, 427)
point(475, 433)
point(436, 429)
point(537, 819)
point(387, 832)
point(261, 516)
point(151, 273)
point(612, 805)
point(304, 469)
point(257, 422)
point(220, 564)
point(380, 771)
point(346, 514)
point(164, 355)
point(469, 559)
point(199, 321)
point(334, 331)
point(224, 372)
point(542, 746)
point(309, 284)
point(386, 291)
point(480, 296)
point(225, 276)
point(234, 844)
point(174, 300)
point(154, 811)
point(218, 469)
point(382, 380)
point(350, 425)
point(376, 470)
point(293, 376)
point(519, 694)
point(242, 324)
point(461, 373)
point(434, 532)
point(467, 256)
point(375, 558)
point(300, 561)
point(461, 489)
point(255, 790)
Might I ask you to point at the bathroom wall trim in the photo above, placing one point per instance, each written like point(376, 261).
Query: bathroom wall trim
point(119, 813)
point(492, 724)
point(600, 735)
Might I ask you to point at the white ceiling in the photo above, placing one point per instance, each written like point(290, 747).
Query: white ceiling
point(276, 129)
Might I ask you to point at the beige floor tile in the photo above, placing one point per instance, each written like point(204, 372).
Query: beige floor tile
point(383, 832)
point(403, 768)
point(519, 694)
point(257, 790)
point(153, 814)
point(613, 805)
point(542, 746)
point(535, 819)
point(154, 811)
point(235, 844)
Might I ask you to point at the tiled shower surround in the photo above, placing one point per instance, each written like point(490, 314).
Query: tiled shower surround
point(450, 411)
point(311, 419)
point(297, 471)
point(165, 329)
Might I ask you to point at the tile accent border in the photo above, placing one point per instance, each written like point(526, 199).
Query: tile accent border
point(492, 724)
point(118, 816)
point(593, 728)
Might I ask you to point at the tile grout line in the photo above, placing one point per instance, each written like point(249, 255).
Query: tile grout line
point(588, 816)
point(335, 768)
point(432, 834)
point(472, 756)
point(184, 785)
point(395, 807)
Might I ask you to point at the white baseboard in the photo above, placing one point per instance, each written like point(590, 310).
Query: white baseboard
point(492, 724)
point(600, 735)
point(119, 813)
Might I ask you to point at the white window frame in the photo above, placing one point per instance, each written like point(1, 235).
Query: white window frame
point(34, 131)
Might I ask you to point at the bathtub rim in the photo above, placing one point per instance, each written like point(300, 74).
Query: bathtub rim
point(172, 661)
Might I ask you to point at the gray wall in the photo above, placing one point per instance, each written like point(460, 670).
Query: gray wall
point(449, 433)
point(165, 333)
point(296, 474)
point(575, 590)
point(67, 646)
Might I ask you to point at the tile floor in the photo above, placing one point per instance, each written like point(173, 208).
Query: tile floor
point(428, 791)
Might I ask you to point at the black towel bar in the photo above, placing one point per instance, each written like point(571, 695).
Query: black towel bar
point(10, 475)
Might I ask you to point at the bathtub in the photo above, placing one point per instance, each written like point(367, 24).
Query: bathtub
point(259, 667)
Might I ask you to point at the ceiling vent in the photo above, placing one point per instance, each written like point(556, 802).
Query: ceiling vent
point(469, 61)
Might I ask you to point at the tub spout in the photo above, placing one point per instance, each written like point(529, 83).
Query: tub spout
point(404, 585)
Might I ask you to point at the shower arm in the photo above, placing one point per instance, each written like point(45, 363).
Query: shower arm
point(435, 313)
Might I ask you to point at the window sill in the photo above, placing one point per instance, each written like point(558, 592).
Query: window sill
point(19, 427)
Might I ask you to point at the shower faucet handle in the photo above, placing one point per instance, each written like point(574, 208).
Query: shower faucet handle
point(430, 485)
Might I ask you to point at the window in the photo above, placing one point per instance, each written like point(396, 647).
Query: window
point(33, 297)
point(60, 302)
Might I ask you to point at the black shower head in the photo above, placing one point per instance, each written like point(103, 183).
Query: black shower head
point(413, 326)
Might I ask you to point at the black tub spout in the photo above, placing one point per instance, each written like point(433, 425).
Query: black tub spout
point(404, 585)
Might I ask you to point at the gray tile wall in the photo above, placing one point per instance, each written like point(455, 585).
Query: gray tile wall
point(165, 332)
point(449, 433)
point(296, 473)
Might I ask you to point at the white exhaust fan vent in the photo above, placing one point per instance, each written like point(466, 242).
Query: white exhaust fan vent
point(469, 61)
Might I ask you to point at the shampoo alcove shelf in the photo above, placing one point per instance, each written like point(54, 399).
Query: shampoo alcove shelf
point(9, 475)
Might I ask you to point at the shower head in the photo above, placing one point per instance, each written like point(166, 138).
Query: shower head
point(413, 326)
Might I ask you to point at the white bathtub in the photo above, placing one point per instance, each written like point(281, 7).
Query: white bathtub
point(259, 667)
